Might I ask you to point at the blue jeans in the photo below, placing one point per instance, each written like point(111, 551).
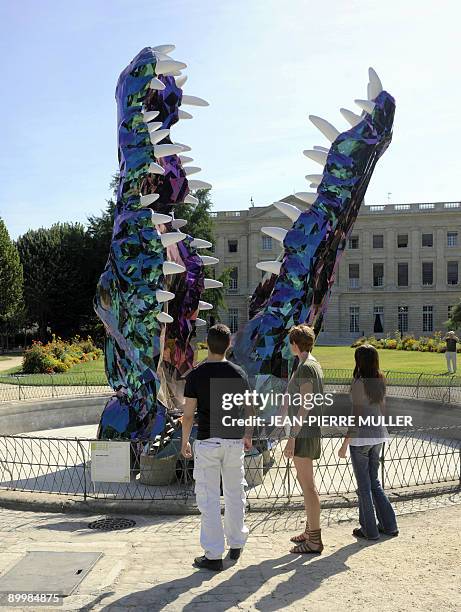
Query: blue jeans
point(365, 462)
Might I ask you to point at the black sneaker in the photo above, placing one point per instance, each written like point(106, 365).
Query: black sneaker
point(215, 565)
point(234, 553)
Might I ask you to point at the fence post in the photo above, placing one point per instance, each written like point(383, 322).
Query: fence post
point(417, 385)
point(382, 464)
point(87, 389)
point(52, 384)
point(80, 447)
point(19, 386)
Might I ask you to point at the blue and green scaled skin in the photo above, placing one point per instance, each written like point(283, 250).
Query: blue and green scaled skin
point(126, 299)
point(312, 248)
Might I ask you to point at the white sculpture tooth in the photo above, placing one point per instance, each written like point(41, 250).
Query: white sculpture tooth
point(164, 48)
point(306, 196)
point(148, 199)
point(195, 184)
point(319, 148)
point(156, 168)
point(169, 267)
point(314, 179)
point(163, 150)
point(184, 148)
point(168, 66)
point(182, 114)
point(204, 305)
point(211, 283)
point(200, 322)
point(159, 135)
point(149, 116)
point(292, 212)
point(365, 105)
point(350, 117)
point(178, 223)
point(318, 156)
point(270, 266)
point(154, 126)
point(208, 261)
point(190, 199)
point(170, 238)
point(191, 170)
point(199, 243)
point(156, 84)
point(376, 86)
point(159, 219)
point(185, 159)
point(327, 129)
point(278, 233)
point(164, 317)
point(164, 296)
point(181, 81)
point(194, 101)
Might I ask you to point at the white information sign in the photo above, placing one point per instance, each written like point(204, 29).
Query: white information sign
point(110, 461)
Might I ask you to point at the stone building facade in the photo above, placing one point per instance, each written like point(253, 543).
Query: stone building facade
point(400, 269)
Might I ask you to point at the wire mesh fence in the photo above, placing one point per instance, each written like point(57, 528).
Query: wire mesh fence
point(16, 387)
point(63, 466)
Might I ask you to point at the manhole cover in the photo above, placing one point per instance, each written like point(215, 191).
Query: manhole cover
point(112, 524)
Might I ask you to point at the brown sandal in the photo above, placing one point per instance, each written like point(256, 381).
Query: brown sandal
point(311, 545)
point(302, 537)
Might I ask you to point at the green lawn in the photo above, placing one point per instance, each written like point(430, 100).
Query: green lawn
point(330, 357)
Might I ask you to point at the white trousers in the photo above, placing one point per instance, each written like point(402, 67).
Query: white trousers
point(214, 458)
point(451, 361)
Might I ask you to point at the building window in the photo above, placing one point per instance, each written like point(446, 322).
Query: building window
point(267, 243)
point(449, 311)
point(232, 246)
point(452, 272)
point(353, 242)
point(403, 319)
point(428, 273)
point(427, 240)
point(354, 276)
point(452, 239)
point(233, 319)
point(234, 280)
point(378, 313)
point(402, 274)
point(428, 318)
point(378, 275)
point(354, 324)
point(402, 241)
point(378, 241)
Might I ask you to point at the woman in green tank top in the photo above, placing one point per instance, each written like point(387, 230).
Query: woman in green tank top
point(304, 442)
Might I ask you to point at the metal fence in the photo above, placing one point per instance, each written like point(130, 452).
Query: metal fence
point(414, 385)
point(63, 466)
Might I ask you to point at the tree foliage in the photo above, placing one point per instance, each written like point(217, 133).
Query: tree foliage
point(11, 282)
point(454, 322)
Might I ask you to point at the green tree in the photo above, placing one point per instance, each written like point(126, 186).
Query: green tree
point(58, 287)
point(11, 281)
point(454, 322)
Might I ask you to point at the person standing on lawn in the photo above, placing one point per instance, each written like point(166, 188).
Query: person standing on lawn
point(218, 450)
point(365, 443)
point(450, 354)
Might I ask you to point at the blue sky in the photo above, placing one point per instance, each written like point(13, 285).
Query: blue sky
point(264, 65)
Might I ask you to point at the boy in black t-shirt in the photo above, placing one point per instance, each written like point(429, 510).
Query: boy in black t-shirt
point(219, 448)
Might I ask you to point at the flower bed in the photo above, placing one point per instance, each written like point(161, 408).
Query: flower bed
point(59, 356)
point(424, 344)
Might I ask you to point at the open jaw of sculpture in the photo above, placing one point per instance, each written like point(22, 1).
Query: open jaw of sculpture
point(148, 296)
point(298, 284)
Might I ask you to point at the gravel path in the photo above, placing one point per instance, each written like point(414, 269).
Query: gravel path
point(149, 567)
